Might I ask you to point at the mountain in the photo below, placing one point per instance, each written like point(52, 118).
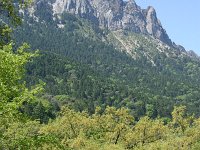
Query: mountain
point(108, 52)
point(115, 15)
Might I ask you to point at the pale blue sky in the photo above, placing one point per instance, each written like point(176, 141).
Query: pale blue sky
point(180, 18)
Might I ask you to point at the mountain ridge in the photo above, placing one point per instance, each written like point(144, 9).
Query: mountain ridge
point(111, 15)
point(115, 15)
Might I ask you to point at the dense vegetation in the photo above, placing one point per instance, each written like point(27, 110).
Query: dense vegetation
point(78, 66)
point(113, 129)
point(80, 78)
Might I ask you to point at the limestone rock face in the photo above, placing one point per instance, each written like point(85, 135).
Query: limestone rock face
point(78, 7)
point(154, 26)
point(115, 15)
point(109, 13)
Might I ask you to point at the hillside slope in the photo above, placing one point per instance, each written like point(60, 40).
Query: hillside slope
point(93, 64)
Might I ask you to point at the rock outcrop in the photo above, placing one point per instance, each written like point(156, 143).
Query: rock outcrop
point(115, 15)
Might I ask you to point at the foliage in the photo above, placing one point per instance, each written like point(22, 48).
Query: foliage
point(9, 14)
point(16, 130)
point(12, 90)
point(116, 128)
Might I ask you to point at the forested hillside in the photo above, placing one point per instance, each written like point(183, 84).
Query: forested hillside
point(92, 88)
point(81, 61)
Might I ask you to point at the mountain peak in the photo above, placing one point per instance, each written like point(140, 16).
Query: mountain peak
point(132, 3)
point(154, 26)
point(151, 9)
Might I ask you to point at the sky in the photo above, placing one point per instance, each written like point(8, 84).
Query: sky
point(181, 20)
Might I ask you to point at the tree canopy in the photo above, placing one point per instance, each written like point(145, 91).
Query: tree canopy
point(9, 16)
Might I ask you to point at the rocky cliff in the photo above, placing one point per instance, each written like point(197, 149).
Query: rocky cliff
point(115, 15)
